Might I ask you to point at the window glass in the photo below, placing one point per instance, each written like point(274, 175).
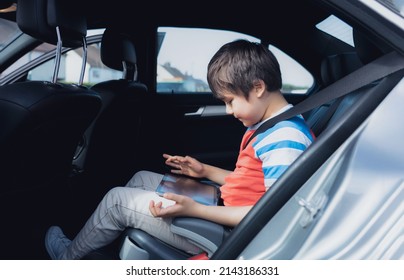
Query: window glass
point(29, 57)
point(70, 67)
point(337, 28)
point(9, 31)
point(396, 6)
point(392, 10)
point(43, 63)
point(184, 54)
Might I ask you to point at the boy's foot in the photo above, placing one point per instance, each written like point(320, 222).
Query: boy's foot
point(56, 242)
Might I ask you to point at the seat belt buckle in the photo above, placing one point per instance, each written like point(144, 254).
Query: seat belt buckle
point(201, 256)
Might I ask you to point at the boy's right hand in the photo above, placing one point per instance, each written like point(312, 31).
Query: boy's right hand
point(183, 206)
point(185, 165)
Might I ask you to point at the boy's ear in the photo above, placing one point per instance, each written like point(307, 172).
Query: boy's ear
point(259, 87)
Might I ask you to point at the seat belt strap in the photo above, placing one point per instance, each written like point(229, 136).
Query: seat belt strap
point(330, 112)
point(371, 72)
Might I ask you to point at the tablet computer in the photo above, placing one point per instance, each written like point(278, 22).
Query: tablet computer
point(205, 192)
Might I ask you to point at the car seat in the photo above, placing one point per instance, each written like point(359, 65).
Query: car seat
point(333, 68)
point(41, 123)
point(115, 124)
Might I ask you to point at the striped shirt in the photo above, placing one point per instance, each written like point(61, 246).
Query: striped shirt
point(265, 159)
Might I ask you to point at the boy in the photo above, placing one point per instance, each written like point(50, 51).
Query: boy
point(246, 76)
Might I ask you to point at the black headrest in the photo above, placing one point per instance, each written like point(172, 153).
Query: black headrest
point(117, 47)
point(337, 66)
point(39, 19)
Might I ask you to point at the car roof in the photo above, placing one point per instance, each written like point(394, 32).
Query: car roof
point(263, 20)
point(289, 24)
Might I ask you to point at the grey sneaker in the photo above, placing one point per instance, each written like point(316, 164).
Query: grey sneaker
point(56, 242)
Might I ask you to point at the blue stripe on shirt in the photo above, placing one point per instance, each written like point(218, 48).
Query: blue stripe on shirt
point(296, 122)
point(281, 145)
point(274, 172)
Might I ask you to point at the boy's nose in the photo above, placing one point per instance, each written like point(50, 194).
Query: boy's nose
point(229, 111)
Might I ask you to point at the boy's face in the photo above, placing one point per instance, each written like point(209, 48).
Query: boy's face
point(249, 112)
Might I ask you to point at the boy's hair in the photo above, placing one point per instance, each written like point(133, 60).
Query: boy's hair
point(238, 64)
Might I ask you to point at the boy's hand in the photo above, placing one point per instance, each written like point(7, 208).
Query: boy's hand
point(185, 165)
point(184, 206)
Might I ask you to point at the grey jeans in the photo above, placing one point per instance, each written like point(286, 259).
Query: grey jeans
point(124, 207)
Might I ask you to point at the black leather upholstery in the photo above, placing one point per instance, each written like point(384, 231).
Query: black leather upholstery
point(115, 125)
point(39, 18)
point(42, 122)
point(118, 47)
point(40, 126)
point(366, 49)
point(333, 68)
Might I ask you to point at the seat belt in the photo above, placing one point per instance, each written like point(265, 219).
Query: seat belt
point(330, 112)
point(371, 72)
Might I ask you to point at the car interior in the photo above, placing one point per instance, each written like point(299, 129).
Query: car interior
point(208, 235)
point(64, 145)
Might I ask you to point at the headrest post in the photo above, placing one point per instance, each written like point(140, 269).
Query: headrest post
point(124, 69)
point(84, 61)
point(58, 56)
point(135, 73)
point(129, 71)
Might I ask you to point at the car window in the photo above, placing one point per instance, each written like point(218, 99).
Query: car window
point(337, 28)
point(42, 58)
point(396, 6)
point(392, 10)
point(70, 67)
point(9, 31)
point(184, 54)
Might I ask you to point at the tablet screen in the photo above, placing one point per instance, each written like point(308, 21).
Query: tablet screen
point(204, 192)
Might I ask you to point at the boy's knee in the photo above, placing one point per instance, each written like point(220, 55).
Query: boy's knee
point(114, 194)
point(141, 173)
point(137, 178)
